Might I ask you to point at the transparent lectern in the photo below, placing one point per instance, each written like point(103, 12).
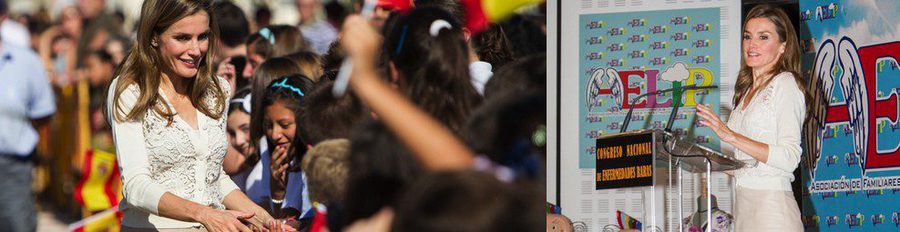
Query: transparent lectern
point(623, 160)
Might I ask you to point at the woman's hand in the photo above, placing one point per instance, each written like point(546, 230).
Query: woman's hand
point(224, 220)
point(710, 119)
point(279, 166)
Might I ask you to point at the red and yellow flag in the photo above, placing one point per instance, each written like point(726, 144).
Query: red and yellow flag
point(480, 13)
point(100, 185)
point(105, 221)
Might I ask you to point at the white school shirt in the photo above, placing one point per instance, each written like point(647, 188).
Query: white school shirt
point(774, 117)
point(155, 158)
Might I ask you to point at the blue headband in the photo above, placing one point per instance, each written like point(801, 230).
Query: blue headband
point(283, 84)
point(267, 34)
point(402, 39)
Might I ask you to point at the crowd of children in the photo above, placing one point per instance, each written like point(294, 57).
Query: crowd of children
point(441, 130)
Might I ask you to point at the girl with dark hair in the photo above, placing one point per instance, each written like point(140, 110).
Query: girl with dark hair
point(765, 125)
point(281, 105)
point(258, 182)
point(168, 112)
point(241, 156)
point(493, 47)
point(428, 60)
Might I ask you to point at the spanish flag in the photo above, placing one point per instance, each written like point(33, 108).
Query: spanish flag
point(480, 13)
point(106, 221)
point(100, 185)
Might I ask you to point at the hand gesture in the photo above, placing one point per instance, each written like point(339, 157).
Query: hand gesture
point(279, 166)
point(226, 70)
point(360, 40)
point(224, 220)
point(710, 119)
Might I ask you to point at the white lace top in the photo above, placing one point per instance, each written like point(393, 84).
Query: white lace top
point(155, 158)
point(774, 116)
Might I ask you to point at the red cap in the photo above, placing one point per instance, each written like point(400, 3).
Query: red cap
point(395, 5)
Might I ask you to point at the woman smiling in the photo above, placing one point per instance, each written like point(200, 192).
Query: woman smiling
point(169, 126)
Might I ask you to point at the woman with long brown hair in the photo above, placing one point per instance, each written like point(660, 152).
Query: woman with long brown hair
point(169, 126)
point(765, 125)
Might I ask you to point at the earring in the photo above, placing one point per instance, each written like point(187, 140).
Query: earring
point(153, 42)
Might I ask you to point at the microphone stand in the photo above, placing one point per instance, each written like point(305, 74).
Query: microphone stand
point(675, 100)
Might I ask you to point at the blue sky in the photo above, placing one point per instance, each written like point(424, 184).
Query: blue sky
point(871, 21)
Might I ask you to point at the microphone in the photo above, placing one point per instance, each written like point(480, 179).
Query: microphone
point(676, 100)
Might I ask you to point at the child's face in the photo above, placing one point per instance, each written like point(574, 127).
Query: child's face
point(279, 123)
point(253, 61)
point(239, 131)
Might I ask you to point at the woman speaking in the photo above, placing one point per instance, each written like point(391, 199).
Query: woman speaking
point(766, 122)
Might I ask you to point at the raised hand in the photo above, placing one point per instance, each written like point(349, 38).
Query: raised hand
point(361, 41)
point(710, 119)
point(226, 70)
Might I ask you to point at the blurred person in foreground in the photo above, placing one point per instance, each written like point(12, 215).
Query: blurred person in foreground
point(28, 103)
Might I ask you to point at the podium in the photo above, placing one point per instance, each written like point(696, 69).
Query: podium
point(658, 162)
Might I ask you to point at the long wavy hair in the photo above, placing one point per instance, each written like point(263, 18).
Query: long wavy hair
point(789, 61)
point(142, 66)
